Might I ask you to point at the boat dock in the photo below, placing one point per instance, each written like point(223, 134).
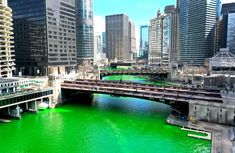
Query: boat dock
point(207, 137)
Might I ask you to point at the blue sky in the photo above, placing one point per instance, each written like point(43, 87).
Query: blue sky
point(139, 11)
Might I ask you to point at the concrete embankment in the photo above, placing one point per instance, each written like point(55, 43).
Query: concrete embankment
point(220, 135)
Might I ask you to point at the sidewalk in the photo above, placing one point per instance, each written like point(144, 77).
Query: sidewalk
point(220, 135)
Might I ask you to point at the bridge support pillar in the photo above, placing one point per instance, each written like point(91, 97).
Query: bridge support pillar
point(55, 83)
point(15, 112)
point(27, 106)
point(35, 106)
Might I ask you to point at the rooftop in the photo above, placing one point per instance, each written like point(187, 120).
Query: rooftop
point(8, 80)
point(223, 59)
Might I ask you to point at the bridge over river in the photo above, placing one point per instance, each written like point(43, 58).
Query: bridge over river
point(201, 104)
point(153, 92)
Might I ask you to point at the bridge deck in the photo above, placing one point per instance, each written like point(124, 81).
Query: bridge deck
point(144, 91)
point(191, 91)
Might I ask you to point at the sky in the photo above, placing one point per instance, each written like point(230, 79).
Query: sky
point(139, 11)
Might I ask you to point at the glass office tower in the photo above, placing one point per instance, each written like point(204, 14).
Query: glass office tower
point(227, 30)
point(196, 27)
point(144, 42)
point(85, 31)
point(30, 35)
point(44, 34)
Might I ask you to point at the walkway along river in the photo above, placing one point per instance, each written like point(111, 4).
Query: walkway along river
point(109, 125)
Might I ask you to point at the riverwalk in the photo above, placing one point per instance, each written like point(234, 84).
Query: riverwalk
point(220, 134)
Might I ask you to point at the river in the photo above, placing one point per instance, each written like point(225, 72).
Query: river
point(110, 125)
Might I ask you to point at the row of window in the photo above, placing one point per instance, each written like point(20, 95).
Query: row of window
point(12, 84)
point(24, 98)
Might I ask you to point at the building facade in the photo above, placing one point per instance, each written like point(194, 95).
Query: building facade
point(6, 44)
point(61, 35)
point(155, 40)
point(120, 38)
point(85, 31)
point(173, 36)
point(163, 37)
point(97, 47)
point(166, 33)
point(104, 42)
point(196, 27)
point(44, 34)
point(144, 42)
point(227, 27)
point(132, 41)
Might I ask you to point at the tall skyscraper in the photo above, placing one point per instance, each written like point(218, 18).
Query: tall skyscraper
point(163, 37)
point(155, 40)
point(85, 30)
point(44, 34)
point(144, 42)
point(173, 36)
point(166, 33)
point(227, 27)
point(196, 26)
point(104, 42)
point(97, 47)
point(120, 38)
point(6, 44)
point(132, 41)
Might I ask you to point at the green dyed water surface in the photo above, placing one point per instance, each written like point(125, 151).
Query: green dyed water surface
point(108, 125)
point(136, 79)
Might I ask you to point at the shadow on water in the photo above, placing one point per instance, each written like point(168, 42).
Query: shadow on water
point(116, 104)
point(77, 98)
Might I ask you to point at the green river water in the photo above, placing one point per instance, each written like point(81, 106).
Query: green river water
point(110, 125)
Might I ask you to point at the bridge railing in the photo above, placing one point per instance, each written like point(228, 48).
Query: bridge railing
point(137, 89)
point(192, 91)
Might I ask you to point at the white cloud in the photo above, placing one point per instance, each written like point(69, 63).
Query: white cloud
point(99, 24)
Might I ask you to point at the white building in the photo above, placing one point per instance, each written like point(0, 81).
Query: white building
point(6, 60)
point(155, 40)
point(166, 33)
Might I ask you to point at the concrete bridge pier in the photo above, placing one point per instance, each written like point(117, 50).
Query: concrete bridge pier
point(55, 83)
point(14, 112)
point(32, 107)
point(29, 107)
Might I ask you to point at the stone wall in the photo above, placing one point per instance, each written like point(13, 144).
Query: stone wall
point(217, 113)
